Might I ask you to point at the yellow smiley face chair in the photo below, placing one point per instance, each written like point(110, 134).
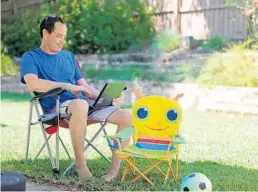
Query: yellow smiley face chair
point(156, 121)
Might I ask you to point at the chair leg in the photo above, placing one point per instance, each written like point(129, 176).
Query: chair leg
point(105, 133)
point(57, 168)
point(128, 167)
point(125, 171)
point(102, 128)
point(147, 170)
point(158, 169)
point(134, 161)
point(136, 169)
point(92, 139)
point(169, 169)
point(172, 172)
point(85, 148)
point(96, 149)
point(65, 148)
point(166, 177)
point(28, 134)
point(177, 166)
point(46, 140)
point(41, 149)
point(131, 168)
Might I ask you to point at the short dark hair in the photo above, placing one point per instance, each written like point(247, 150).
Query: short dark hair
point(48, 23)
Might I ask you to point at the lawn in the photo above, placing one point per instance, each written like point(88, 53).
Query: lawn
point(184, 73)
point(221, 146)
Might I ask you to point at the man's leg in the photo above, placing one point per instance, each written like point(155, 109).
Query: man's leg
point(79, 109)
point(123, 119)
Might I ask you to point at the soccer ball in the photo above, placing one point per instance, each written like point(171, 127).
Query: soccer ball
point(196, 182)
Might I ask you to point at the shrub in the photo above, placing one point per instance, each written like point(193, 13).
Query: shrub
point(20, 34)
point(8, 67)
point(93, 26)
point(216, 44)
point(166, 41)
point(110, 26)
point(235, 68)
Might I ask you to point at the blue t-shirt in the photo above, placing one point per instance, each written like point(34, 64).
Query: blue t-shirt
point(60, 67)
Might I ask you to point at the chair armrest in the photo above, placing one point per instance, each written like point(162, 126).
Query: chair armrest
point(122, 135)
point(52, 92)
point(178, 139)
point(119, 137)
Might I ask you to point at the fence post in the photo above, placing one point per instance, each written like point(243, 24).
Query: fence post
point(178, 16)
point(14, 7)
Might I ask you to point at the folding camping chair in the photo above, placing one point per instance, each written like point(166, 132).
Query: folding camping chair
point(155, 137)
point(50, 124)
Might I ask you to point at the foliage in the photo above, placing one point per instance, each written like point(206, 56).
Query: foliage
point(20, 34)
point(8, 67)
point(215, 44)
point(235, 68)
point(166, 41)
point(93, 26)
point(110, 26)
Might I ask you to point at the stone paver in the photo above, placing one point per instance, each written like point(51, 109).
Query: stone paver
point(31, 186)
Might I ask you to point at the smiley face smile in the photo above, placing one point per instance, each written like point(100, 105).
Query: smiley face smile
point(156, 128)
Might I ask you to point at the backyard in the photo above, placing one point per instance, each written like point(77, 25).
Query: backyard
point(214, 44)
point(221, 146)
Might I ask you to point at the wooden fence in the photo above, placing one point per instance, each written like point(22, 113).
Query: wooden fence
point(201, 19)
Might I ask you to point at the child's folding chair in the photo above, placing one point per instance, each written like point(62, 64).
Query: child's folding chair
point(155, 137)
point(50, 124)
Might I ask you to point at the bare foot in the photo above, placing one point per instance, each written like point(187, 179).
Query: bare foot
point(84, 172)
point(110, 176)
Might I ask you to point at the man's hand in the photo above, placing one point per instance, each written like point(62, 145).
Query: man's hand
point(117, 101)
point(75, 89)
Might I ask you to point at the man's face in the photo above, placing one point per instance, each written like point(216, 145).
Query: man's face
point(56, 39)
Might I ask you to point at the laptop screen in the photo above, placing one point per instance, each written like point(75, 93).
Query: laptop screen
point(110, 91)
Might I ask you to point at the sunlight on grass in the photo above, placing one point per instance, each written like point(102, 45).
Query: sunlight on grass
point(221, 146)
point(15, 97)
point(183, 74)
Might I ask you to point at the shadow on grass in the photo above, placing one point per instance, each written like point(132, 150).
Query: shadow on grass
point(15, 97)
point(223, 177)
point(2, 125)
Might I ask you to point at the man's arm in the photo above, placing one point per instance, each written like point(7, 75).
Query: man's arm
point(42, 85)
point(94, 92)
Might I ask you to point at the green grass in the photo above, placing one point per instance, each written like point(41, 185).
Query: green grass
point(184, 73)
point(15, 97)
point(234, 70)
point(221, 146)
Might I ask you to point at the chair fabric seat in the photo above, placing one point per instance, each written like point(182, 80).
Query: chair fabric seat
point(133, 150)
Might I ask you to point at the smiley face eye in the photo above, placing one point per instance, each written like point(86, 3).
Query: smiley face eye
point(142, 113)
point(172, 115)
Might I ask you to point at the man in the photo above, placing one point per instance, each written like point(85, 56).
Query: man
point(48, 67)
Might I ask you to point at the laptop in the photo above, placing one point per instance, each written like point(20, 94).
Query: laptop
point(110, 91)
